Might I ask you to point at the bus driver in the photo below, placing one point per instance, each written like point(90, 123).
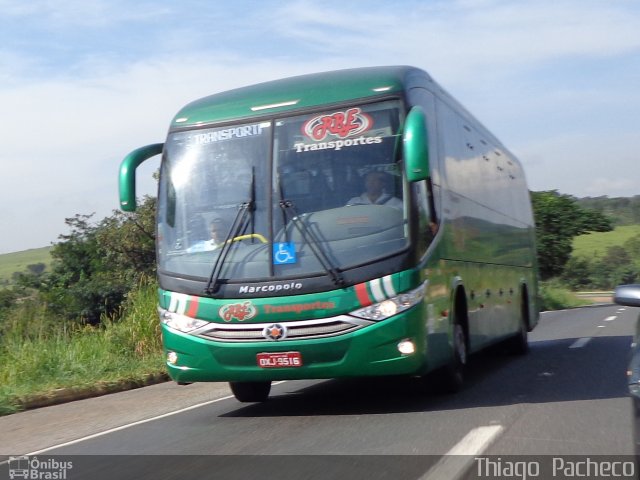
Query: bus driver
point(374, 193)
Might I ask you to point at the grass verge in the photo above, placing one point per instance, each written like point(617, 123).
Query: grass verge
point(554, 296)
point(40, 355)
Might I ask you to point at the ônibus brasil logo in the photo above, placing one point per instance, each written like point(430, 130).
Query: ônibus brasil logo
point(237, 311)
point(340, 124)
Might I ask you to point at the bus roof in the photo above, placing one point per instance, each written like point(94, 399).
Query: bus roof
point(299, 92)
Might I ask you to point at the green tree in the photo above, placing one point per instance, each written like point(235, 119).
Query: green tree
point(36, 268)
point(616, 256)
point(635, 209)
point(128, 240)
point(31, 278)
point(577, 273)
point(614, 268)
point(632, 246)
point(618, 262)
point(621, 210)
point(97, 264)
point(8, 298)
point(558, 219)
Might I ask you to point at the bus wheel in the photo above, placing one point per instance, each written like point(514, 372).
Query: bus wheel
point(519, 343)
point(250, 391)
point(453, 374)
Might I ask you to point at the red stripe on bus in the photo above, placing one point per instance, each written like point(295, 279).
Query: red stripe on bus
point(193, 307)
point(363, 295)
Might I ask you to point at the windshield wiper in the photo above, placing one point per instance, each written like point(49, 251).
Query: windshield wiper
point(312, 240)
point(238, 225)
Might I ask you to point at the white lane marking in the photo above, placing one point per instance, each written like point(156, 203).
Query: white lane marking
point(581, 342)
point(122, 427)
point(610, 319)
point(601, 326)
point(140, 422)
point(455, 463)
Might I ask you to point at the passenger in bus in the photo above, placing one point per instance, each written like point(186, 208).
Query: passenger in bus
point(375, 192)
point(218, 231)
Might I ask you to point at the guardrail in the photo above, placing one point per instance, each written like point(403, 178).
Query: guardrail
point(597, 297)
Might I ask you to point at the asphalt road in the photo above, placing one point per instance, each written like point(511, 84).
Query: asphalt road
point(568, 396)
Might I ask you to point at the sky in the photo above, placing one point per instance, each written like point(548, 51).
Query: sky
point(84, 82)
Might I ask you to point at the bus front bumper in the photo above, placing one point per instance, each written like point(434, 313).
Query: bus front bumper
point(369, 351)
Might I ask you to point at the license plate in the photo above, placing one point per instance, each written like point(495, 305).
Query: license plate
point(279, 360)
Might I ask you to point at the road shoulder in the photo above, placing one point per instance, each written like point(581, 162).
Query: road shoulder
point(34, 430)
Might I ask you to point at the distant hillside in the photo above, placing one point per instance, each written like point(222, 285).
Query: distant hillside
point(595, 244)
point(622, 210)
point(18, 262)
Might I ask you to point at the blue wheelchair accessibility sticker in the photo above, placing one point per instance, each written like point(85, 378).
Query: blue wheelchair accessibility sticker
point(283, 253)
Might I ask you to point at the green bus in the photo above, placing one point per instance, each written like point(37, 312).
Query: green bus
point(342, 224)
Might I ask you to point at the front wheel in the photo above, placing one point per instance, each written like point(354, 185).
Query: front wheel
point(452, 379)
point(250, 391)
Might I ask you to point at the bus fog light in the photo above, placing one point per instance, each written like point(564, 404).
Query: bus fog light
point(406, 347)
point(172, 358)
point(388, 308)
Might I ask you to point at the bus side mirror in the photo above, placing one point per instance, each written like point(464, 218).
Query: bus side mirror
point(128, 174)
point(414, 141)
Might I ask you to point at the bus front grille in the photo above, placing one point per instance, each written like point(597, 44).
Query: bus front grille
point(326, 327)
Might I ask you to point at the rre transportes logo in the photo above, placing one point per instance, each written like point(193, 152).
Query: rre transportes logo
point(38, 469)
point(345, 124)
point(237, 311)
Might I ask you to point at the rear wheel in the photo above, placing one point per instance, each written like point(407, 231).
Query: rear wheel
point(519, 343)
point(250, 391)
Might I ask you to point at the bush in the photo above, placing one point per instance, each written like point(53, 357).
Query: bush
point(40, 353)
point(577, 273)
point(558, 219)
point(554, 296)
point(136, 327)
point(97, 264)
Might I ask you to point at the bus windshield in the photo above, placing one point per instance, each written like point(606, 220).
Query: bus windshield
point(300, 196)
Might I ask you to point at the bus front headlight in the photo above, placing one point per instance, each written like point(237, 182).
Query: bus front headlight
point(180, 322)
point(391, 306)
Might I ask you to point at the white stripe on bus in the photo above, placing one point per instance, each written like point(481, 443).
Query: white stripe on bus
point(388, 286)
point(183, 301)
point(173, 302)
point(376, 290)
point(178, 302)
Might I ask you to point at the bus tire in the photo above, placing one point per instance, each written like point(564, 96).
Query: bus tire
point(519, 343)
point(250, 391)
point(452, 379)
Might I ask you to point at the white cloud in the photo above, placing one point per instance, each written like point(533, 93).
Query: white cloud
point(583, 165)
point(56, 14)
point(615, 187)
point(463, 44)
